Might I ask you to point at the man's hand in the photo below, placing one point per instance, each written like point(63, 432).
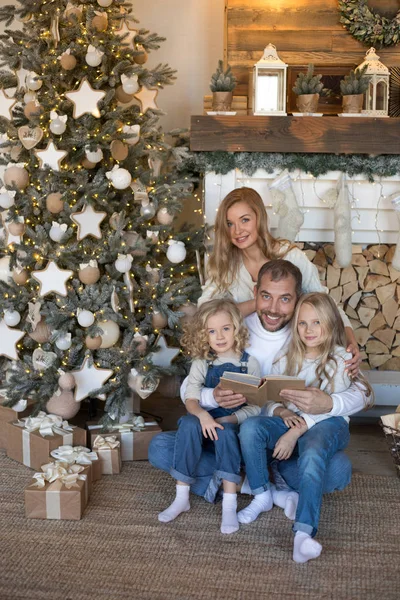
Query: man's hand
point(209, 425)
point(353, 364)
point(311, 400)
point(228, 398)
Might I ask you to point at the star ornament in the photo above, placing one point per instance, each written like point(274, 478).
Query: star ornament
point(88, 221)
point(9, 339)
point(165, 355)
point(126, 30)
point(85, 100)
point(147, 98)
point(6, 105)
point(50, 157)
point(52, 279)
point(88, 379)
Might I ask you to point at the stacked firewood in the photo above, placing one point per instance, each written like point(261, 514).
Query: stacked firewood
point(369, 292)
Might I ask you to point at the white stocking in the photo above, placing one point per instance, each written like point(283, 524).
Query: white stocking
point(285, 205)
point(395, 198)
point(342, 224)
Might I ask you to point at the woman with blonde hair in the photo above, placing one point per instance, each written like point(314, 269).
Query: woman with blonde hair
point(243, 243)
point(216, 339)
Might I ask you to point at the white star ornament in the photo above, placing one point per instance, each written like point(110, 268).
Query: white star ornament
point(88, 379)
point(165, 355)
point(88, 221)
point(6, 105)
point(147, 98)
point(52, 279)
point(9, 339)
point(85, 100)
point(50, 157)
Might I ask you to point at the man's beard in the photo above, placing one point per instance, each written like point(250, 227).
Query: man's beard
point(281, 320)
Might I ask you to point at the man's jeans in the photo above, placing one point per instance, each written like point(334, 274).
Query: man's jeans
point(189, 442)
point(206, 484)
point(313, 451)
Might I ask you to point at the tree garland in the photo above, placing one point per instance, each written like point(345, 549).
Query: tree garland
point(367, 26)
point(315, 164)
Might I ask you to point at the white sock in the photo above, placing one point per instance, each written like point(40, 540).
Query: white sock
point(229, 517)
point(261, 503)
point(286, 499)
point(180, 504)
point(305, 547)
point(245, 489)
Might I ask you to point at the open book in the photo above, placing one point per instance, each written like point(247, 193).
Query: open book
point(260, 390)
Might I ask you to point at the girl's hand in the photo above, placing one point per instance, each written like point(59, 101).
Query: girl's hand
point(285, 445)
point(209, 426)
point(294, 420)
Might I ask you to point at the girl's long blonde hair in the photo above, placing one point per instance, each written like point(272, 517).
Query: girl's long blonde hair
point(333, 335)
point(195, 334)
point(225, 259)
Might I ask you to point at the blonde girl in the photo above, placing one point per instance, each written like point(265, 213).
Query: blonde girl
point(216, 339)
point(243, 243)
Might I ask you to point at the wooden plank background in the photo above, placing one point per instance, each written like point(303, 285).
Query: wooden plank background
point(303, 31)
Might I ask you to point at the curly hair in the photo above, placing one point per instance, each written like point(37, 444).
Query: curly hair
point(195, 334)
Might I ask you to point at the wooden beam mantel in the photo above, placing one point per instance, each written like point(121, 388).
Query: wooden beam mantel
point(335, 135)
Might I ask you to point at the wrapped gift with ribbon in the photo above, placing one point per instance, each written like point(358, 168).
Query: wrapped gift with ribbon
point(59, 491)
point(22, 409)
point(31, 440)
point(134, 435)
point(79, 455)
point(109, 451)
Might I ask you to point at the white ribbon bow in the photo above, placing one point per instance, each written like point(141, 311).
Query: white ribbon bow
point(136, 424)
point(45, 424)
point(74, 455)
point(58, 471)
point(102, 443)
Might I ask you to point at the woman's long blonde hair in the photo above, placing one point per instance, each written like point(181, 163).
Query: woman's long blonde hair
point(195, 334)
point(225, 259)
point(334, 335)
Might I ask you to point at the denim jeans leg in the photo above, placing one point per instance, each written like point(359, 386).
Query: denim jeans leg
point(337, 475)
point(227, 452)
point(256, 435)
point(316, 447)
point(188, 448)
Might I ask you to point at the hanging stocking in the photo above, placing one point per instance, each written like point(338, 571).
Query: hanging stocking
point(342, 224)
point(285, 205)
point(395, 198)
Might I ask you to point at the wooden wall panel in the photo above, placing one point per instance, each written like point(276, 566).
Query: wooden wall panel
point(303, 31)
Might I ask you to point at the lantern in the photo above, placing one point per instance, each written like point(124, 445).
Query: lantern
point(376, 98)
point(269, 84)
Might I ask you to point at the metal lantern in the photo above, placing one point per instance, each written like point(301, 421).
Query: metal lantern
point(269, 84)
point(376, 98)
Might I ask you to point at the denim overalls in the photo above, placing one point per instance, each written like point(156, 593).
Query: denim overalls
point(189, 438)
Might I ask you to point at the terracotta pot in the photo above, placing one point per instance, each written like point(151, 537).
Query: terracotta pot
point(222, 101)
point(352, 103)
point(307, 103)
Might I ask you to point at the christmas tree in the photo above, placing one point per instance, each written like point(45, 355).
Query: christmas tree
point(93, 280)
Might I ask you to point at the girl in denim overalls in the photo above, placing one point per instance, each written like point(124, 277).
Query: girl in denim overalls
point(216, 339)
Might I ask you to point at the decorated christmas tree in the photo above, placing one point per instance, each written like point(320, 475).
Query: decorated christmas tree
point(94, 281)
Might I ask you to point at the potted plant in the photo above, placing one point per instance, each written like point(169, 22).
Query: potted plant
point(308, 88)
point(222, 84)
point(352, 88)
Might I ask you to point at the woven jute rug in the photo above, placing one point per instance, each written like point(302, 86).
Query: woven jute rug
point(119, 550)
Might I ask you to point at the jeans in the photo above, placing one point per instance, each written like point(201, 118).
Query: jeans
point(313, 452)
point(206, 484)
point(189, 445)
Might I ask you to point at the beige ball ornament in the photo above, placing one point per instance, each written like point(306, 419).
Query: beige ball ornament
point(42, 333)
point(141, 58)
point(89, 275)
point(16, 176)
point(159, 320)
point(163, 217)
point(66, 381)
point(119, 150)
point(20, 277)
point(68, 62)
point(110, 334)
point(190, 310)
point(87, 164)
point(63, 405)
point(100, 22)
point(16, 228)
point(54, 204)
point(93, 343)
point(32, 109)
point(122, 96)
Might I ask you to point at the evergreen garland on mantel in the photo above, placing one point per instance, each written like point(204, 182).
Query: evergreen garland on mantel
point(372, 167)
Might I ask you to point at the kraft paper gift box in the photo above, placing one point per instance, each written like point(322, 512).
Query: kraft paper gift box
point(31, 440)
point(109, 450)
point(60, 491)
point(7, 414)
point(79, 455)
point(135, 437)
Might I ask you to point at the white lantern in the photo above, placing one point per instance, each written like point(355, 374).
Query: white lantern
point(269, 84)
point(376, 98)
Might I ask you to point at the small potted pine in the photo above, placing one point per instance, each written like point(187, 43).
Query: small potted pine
point(352, 88)
point(308, 88)
point(222, 84)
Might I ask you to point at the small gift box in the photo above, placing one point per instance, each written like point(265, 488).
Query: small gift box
point(60, 491)
point(109, 450)
point(79, 455)
point(135, 437)
point(31, 440)
point(23, 408)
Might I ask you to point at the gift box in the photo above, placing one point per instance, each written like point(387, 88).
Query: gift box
point(135, 436)
point(79, 455)
point(109, 451)
point(31, 440)
point(59, 491)
point(8, 414)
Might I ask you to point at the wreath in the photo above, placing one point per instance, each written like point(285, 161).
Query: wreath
point(367, 26)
